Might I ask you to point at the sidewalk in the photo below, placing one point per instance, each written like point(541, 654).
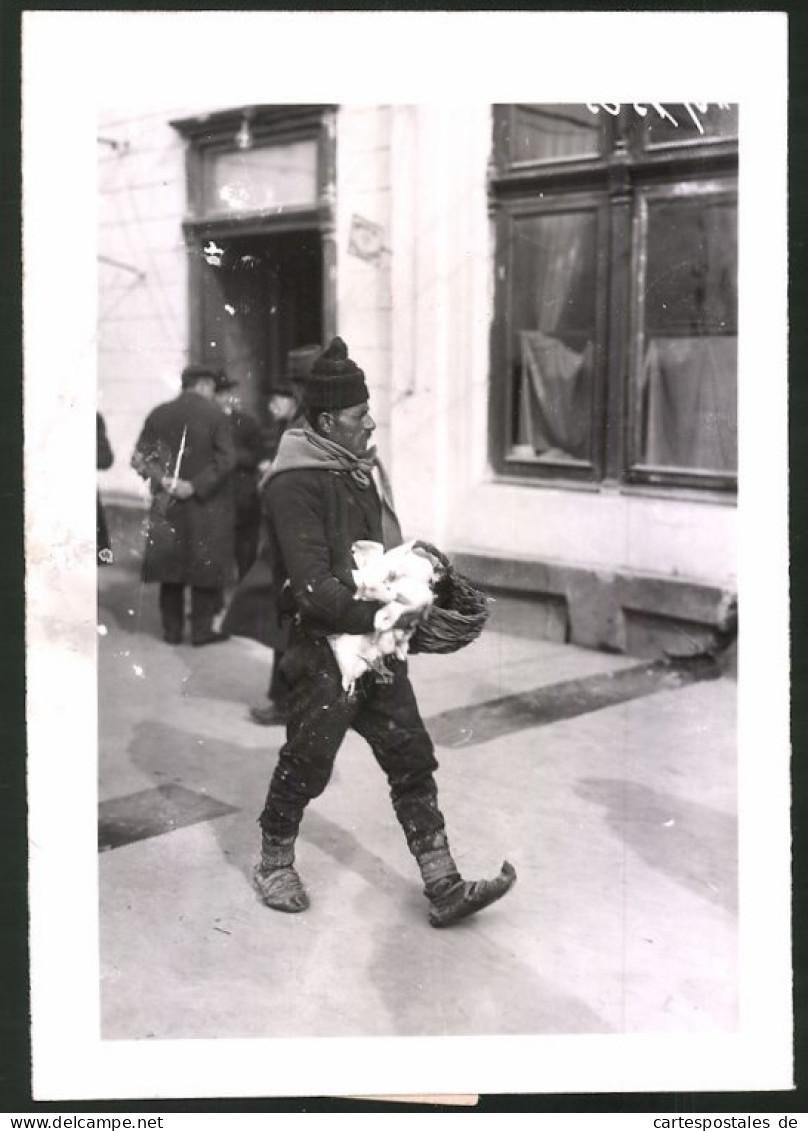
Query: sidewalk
point(620, 822)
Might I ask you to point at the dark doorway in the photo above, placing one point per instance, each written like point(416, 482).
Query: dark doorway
point(261, 295)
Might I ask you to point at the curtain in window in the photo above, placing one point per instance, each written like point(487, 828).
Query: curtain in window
point(691, 403)
point(555, 395)
point(689, 363)
point(555, 297)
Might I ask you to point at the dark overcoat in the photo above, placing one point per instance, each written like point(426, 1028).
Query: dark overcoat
point(312, 518)
point(249, 449)
point(189, 541)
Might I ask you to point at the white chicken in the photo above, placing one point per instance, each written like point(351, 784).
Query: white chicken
point(402, 578)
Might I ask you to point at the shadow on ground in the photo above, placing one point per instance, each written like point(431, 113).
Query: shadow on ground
point(692, 844)
point(234, 775)
point(132, 604)
point(425, 986)
point(507, 714)
point(212, 674)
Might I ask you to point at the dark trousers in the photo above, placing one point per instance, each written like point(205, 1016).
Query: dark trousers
point(205, 604)
point(278, 690)
point(320, 713)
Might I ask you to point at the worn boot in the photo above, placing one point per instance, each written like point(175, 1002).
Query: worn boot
point(275, 878)
point(451, 898)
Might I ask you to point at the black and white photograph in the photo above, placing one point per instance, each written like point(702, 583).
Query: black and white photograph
point(400, 728)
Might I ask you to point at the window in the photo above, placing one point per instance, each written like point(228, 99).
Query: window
point(685, 362)
point(273, 166)
point(278, 176)
point(554, 333)
point(614, 346)
point(551, 133)
point(688, 125)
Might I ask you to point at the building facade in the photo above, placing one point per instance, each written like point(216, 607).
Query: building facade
point(543, 298)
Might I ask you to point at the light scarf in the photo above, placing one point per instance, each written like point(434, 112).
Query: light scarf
point(303, 448)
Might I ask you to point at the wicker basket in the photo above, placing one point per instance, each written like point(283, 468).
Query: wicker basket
point(457, 616)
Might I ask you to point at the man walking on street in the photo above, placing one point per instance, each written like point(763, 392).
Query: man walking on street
point(187, 454)
point(328, 490)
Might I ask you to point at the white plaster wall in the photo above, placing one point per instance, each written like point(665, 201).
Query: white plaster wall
point(431, 317)
point(602, 529)
point(442, 308)
point(142, 323)
point(364, 300)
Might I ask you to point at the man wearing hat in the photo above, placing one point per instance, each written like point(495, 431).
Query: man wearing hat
point(327, 490)
point(249, 447)
point(285, 403)
point(186, 452)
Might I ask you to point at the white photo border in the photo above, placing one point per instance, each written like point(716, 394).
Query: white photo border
point(77, 63)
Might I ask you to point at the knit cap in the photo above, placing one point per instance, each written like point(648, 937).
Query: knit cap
point(335, 380)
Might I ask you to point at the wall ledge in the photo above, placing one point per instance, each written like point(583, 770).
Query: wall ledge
point(614, 610)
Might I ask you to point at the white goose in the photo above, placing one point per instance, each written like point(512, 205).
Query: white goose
point(402, 578)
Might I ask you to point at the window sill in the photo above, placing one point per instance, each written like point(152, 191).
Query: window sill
point(556, 483)
point(673, 493)
point(709, 495)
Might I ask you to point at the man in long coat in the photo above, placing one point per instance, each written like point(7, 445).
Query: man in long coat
point(328, 490)
point(186, 451)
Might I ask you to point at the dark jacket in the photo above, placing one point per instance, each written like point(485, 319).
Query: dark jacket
point(313, 517)
point(189, 541)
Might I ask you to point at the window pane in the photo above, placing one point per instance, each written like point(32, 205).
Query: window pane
point(254, 180)
point(688, 378)
point(553, 298)
point(551, 132)
point(690, 122)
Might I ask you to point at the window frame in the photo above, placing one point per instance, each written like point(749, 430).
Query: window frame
point(209, 135)
point(507, 125)
point(505, 460)
point(212, 215)
point(706, 145)
point(715, 189)
point(620, 177)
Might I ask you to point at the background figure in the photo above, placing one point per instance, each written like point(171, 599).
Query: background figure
point(286, 407)
point(103, 460)
point(285, 404)
point(253, 610)
point(249, 448)
point(186, 451)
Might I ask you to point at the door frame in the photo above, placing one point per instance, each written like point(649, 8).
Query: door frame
point(268, 125)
